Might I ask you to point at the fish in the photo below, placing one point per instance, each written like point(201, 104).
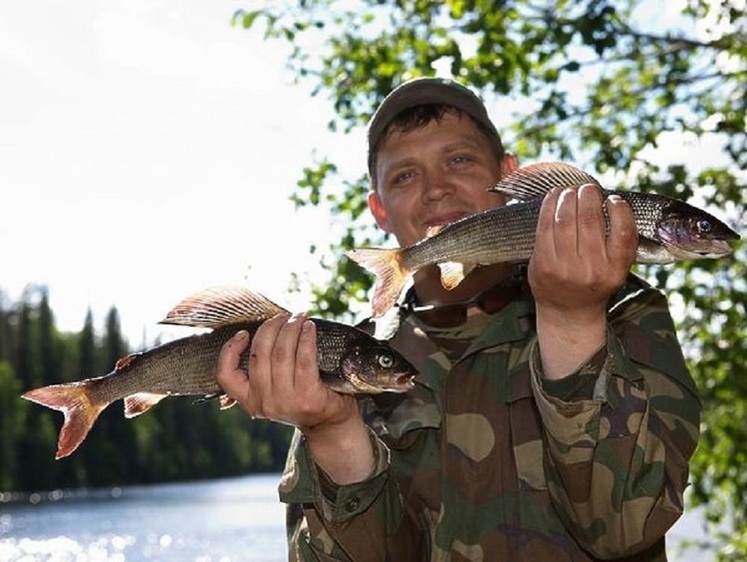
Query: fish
point(669, 230)
point(350, 361)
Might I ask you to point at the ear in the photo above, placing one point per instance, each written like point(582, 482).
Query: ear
point(378, 211)
point(508, 164)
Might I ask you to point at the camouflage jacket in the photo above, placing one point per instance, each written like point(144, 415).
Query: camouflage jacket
point(485, 460)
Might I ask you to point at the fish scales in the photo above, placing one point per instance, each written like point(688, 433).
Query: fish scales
point(669, 230)
point(349, 360)
point(185, 366)
point(508, 233)
point(503, 232)
point(333, 340)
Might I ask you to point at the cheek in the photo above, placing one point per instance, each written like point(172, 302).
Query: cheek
point(382, 221)
point(391, 212)
point(489, 200)
point(496, 200)
point(400, 225)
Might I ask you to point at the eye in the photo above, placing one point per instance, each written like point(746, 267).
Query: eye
point(402, 177)
point(386, 361)
point(460, 159)
point(704, 226)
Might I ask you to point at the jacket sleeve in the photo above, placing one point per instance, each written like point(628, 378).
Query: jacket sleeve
point(617, 451)
point(356, 522)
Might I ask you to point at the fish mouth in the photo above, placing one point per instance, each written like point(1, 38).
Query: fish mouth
point(400, 383)
point(713, 249)
point(714, 255)
point(405, 381)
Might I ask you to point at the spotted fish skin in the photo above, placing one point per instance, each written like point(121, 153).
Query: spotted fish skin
point(350, 361)
point(669, 230)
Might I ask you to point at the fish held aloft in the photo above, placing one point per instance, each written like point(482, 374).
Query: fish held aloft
point(669, 230)
point(350, 361)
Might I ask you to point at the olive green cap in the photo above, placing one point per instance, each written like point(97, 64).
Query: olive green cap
point(425, 91)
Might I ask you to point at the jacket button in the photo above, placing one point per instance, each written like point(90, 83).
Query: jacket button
point(352, 504)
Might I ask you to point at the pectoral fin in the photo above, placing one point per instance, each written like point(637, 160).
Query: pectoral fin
point(453, 273)
point(136, 404)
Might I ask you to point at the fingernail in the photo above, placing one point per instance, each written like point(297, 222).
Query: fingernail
point(240, 335)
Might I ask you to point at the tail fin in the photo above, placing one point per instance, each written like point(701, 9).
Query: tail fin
point(391, 277)
point(74, 402)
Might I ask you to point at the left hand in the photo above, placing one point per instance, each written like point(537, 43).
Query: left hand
point(576, 267)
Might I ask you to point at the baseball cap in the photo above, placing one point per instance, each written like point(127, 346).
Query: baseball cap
point(425, 91)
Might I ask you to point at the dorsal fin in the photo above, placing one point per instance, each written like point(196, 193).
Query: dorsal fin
point(221, 306)
point(536, 180)
point(122, 362)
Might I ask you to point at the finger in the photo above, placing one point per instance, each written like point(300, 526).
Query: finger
point(565, 228)
point(307, 370)
point(590, 224)
point(261, 360)
point(229, 357)
point(622, 242)
point(545, 222)
point(229, 375)
point(284, 353)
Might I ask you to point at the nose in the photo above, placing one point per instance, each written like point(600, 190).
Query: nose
point(435, 185)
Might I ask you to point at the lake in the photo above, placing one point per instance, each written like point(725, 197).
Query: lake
point(226, 520)
point(209, 521)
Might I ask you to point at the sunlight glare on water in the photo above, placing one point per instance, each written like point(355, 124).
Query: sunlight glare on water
point(60, 549)
point(226, 520)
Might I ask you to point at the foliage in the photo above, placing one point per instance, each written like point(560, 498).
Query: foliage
point(590, 82)
point(177, 440)
point(13, 412)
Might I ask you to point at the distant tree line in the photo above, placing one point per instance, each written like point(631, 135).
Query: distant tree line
point(176, 440)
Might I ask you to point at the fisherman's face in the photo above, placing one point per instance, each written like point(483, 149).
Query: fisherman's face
point(434, 175)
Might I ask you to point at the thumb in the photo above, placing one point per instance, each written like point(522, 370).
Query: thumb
point(230, 376)
point(623, 239)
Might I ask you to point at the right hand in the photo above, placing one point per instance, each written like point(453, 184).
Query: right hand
point(282, 383)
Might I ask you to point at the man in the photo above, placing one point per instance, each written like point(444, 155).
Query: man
point(553, 417)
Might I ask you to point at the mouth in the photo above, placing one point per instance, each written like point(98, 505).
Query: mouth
point(444, 219)
point(406, 381)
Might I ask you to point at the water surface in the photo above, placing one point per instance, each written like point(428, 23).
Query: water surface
point(219, 520)
point(226, 520)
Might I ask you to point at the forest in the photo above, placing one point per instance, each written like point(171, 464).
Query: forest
point(179, 439)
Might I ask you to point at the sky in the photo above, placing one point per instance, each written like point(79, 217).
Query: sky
point(148, 149)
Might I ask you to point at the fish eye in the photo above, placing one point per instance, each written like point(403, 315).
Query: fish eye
point(386, 361)
point(704, 225)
